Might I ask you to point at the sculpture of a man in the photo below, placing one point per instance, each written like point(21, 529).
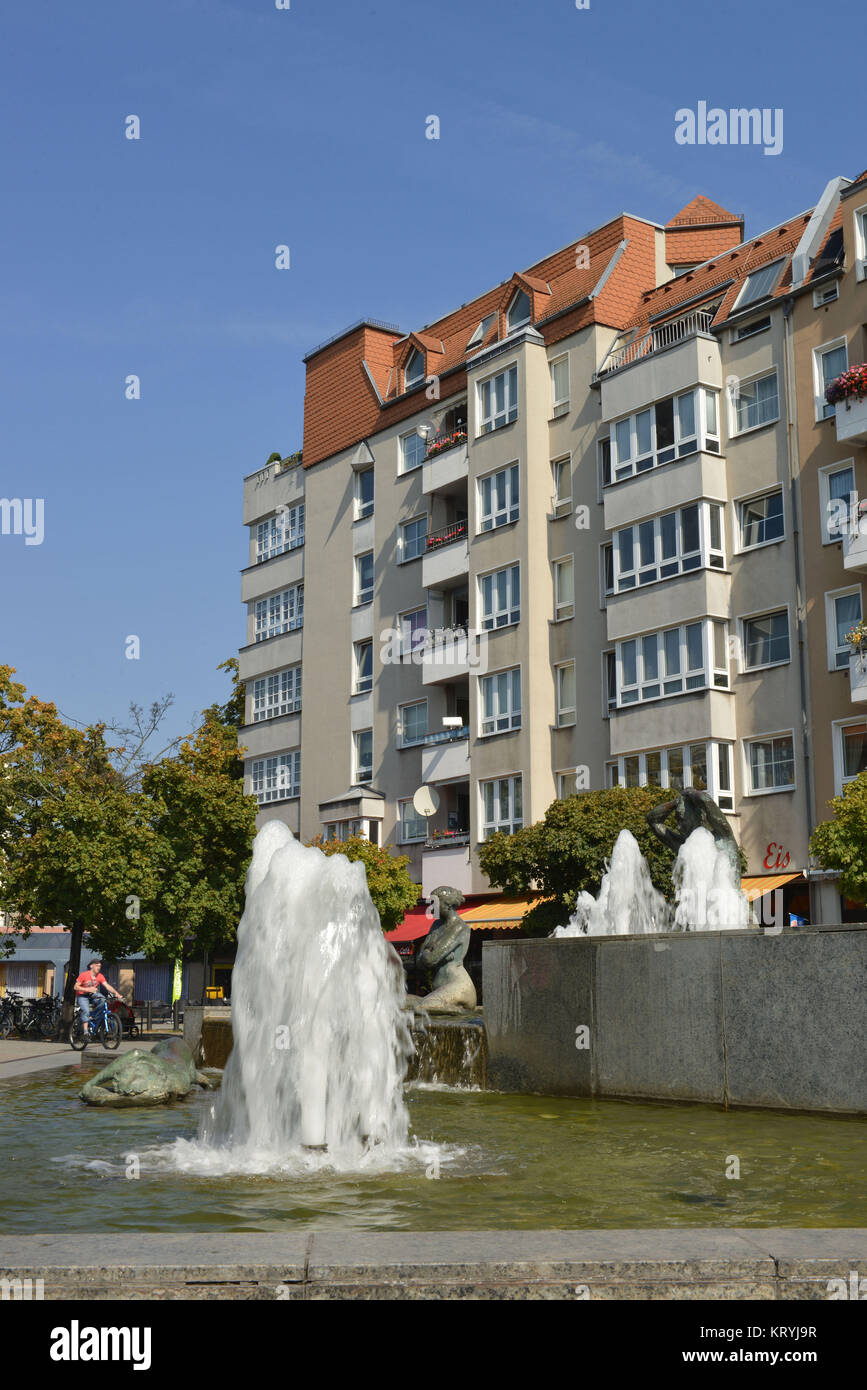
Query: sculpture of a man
point(693, 809)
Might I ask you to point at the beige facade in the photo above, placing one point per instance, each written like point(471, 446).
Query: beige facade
point(639, 557)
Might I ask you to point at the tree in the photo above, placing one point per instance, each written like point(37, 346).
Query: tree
point(566, 852)
point(841, 843)
point(388, 882)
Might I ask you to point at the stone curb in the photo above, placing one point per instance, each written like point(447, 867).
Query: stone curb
point(683, 1264)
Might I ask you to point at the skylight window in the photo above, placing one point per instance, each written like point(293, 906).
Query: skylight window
point(519, 311)
point(482, 330)
point(759, 285)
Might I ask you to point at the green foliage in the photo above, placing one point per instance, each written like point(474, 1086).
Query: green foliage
point(273, 458)
point(388, 881)
point(566, 852)
point(841, 843)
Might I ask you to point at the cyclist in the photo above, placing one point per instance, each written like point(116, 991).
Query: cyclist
point(90, 982)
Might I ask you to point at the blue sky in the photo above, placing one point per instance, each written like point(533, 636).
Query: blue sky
point(307, 127)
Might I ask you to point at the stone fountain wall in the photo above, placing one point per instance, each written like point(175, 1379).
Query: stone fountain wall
point(736, 1018)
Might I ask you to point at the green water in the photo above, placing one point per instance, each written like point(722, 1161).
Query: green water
point(509, 1162)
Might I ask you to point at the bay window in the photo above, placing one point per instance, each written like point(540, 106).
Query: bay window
point(670, 429)
point(704, 765)
point(693, 656)
point(277, 694)
point(275, 779)
point(283, 612)
point(668, 545)
point(279, 533)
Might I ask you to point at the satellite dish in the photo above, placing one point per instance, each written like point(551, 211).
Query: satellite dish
point(426, 801)
point(425, 430)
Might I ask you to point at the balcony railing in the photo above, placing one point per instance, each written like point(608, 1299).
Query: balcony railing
point(448, 736)
point(664, 336)
point(448, 439)
point(447, 839)
point(457, 531)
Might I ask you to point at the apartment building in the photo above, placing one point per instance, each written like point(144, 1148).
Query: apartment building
point(557, 540)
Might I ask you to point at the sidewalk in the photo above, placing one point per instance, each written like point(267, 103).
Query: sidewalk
point(21, 1056)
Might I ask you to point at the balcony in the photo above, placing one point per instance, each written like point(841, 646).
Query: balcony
point(446, 464)
point(447, 655)
point(445, 757)
point(666, 361)
point(446, 560)
point(448, 863)
point(851, 417)
point(858, 677)
point(855, 542)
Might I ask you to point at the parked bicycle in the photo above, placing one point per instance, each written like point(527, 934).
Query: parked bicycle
point(102, 1026)
point(30, 1016)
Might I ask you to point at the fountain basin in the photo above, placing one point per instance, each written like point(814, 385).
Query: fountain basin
point(735, 1018)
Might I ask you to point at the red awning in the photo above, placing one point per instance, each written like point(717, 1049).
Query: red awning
point(415, 924)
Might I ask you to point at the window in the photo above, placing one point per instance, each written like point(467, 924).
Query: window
point(607, 567)
point(412, 450)
point(561, 470)
point(673, 662)
point(564, 588)
point(837, 498)
point(668, 545)
point(861, 244)
point(705, 766)
point(771, 763)
point(609, 670)
point(519, 311)
point(500, 701)
point(761, 519)
point(412, 825)
point(502, 806)
point(748, 330)
point(276, 779)
point(850, 752)
point(498, 400)
point(281, 612)
point(842, 612)
point(670, 429)
point(828, 362)
point(363, 653)
point(482, 330)
point(604, 462)
point(766, 640)
point(500, 597)
point(362, 741)
point(759, 285)
point(364, 577)
point(412, 723)
point(277, 694)
point(566, 784)
point(560, 385)
point(565, 693)
point(414, 370)
point(413, 535)
point(825, 295)
point(755, 403)
point(413, 630)
point(499, 498)
point(279, 533)
point(364, 492)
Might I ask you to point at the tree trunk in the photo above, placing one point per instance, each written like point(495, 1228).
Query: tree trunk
point(73, 971)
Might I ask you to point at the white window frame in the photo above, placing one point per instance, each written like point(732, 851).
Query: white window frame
point(740, 503)
point(826, 294)
point(418, 444)
point(566, 714)
point(415, 357)
point(651, 650)
point(563, 608)
point(860, 224)
point(742, 302)
point(364, 509)
point(609, 682)
point(357, 735)
point(279, 612)
point(361, 685)
point(700, 440)
point(510, 822)
point(513, 326)
point(841, 779)
point(358, 597)
point(829, 538)
point(511, 717)
point(277, 777)
point(723, 796)
point(706, 556)
point(402, 740)
point(500, 616)
point(511, 510)
point(735, 432)
point(561, 503)
point(746, 618)
point(560, 404)
point(403, 819)
point(602, 467)
point(279, 533)
point(412, 643)
point(750, 330)
point(276, 694)
point(831, 598)
point(824, 411)
point(747, 743)
point(497, 419)
point(605, 589)
point(403, 557)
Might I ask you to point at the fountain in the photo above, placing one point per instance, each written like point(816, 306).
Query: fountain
point(321, 1038)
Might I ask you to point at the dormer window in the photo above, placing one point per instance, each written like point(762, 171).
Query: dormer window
point(482, 330)
point(519, 311)
point(413, 372)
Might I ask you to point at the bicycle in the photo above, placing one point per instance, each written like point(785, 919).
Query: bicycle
point(103, 1026)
